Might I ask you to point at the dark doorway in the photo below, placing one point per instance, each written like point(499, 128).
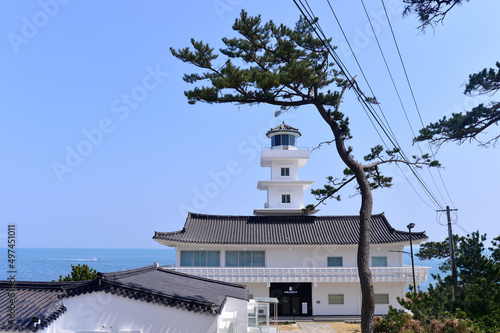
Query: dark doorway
point(295, 299)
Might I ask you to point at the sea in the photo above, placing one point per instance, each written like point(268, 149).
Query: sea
point(49, 264)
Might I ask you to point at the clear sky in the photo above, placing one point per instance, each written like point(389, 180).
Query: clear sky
point(99, 147)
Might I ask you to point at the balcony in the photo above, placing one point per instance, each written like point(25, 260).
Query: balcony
point(320, 274)
point(270, 154)
point(287, 147)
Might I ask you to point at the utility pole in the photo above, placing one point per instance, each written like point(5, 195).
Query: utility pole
point(452, 250)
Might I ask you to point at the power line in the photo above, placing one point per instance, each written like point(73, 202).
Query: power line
point(366, 80)
point(415, 102)
point(361, 97)
point(396, 88)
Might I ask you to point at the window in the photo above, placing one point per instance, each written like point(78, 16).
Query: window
point(245, 258)
point(335, 262)
point(285, 198)
point(285, 171)
point(277, 140)
point(200, 258)
point(283, 140)
point(381, 298)
point(336, 299)
point(379, 261)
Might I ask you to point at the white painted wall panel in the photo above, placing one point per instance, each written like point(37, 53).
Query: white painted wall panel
point(104, 311)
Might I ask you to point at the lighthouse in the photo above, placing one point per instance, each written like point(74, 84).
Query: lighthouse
point(285, 191)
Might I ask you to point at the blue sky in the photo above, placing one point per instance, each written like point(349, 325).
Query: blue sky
point(99, 147)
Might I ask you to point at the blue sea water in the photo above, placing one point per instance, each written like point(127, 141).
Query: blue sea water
point(434, 269)
point(49, 264)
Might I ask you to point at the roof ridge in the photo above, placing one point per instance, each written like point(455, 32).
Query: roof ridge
point(198, 215)
point(46, 285)
point(129, 272)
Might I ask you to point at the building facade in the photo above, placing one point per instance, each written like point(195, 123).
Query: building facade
point(306, 261)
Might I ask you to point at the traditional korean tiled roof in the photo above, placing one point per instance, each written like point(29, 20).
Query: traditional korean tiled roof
point(34, 306)
point(160, 285)
point(283, 230)
point(283, 128)
point(39, 303)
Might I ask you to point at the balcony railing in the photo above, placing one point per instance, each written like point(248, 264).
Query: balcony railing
point(285, 147)
point(321, 274)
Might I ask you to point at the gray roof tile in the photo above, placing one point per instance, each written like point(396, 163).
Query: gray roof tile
point(283, 128)
point(283, 230)
point(43, 301)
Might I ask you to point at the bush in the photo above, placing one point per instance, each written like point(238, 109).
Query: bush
point(398, 321)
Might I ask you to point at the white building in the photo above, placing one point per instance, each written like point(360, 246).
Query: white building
point(308, 262)
point(144, 300)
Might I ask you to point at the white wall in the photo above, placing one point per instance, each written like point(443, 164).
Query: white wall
point(309, 256)
point(257, 289)
point(352, 299)
point(100, 311)
point(394, 290)
point(276, 169)
point(240, 307)
point(314, 256)
point(296, 196)
point(318, 256)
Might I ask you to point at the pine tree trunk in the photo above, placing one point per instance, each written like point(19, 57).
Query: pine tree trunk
point(365, 215)
point(365, 275)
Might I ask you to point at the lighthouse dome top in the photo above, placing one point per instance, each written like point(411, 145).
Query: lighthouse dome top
point(283, 129)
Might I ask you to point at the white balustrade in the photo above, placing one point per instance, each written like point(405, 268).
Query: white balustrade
point(297, 274)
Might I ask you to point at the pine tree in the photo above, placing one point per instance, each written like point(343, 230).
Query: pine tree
point(289, 68)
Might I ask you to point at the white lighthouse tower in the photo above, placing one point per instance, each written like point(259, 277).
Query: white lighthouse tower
point(285, 192)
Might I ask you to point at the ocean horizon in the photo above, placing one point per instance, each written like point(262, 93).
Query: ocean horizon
point(43, 264)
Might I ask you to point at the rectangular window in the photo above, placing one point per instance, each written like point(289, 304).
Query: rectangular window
point(245, 259)
point(232, 258)
point(285, 198)
point(258, 259)
point(336, 299)
point(381, 298)
point(213, 258)
point(277, 140)
point(379, 261)
point(200, 258)
point(335, 262)
point(285, 171)
point(186, 258)
point(285, 139)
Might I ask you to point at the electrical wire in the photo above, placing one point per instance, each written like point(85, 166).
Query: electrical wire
point(414, 100)
point(361, 97)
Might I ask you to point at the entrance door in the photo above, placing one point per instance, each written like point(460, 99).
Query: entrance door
point(296, 309)
point(289, 306)
point(291, 297)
